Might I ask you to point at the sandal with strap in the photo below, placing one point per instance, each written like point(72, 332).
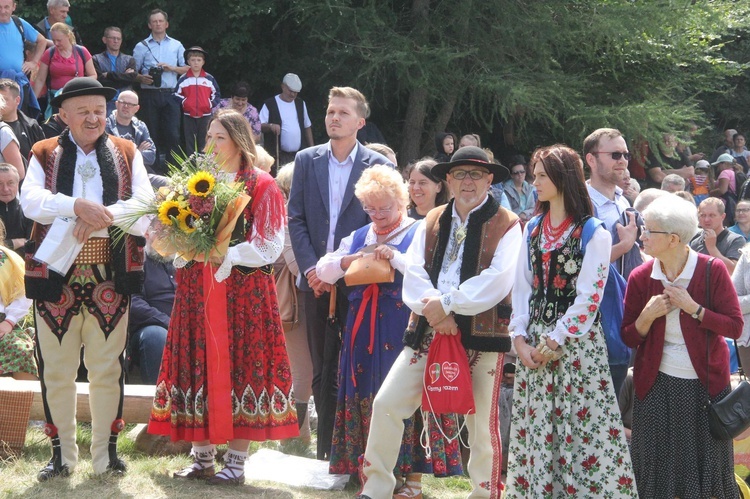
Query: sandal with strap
point(222, 478)
point(202, 467)
point(410, 490)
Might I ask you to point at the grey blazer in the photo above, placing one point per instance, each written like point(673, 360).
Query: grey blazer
point(309, 213)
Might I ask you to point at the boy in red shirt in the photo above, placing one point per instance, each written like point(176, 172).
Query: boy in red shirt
point(199, 93)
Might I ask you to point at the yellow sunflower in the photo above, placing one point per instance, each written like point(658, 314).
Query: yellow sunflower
point(168, 210)
point(187, 220)
point(201, 184)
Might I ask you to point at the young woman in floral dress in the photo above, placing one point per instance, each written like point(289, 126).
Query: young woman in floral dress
point(567, 437)
point(230, 382)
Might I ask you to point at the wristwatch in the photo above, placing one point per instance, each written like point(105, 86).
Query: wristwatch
point(697, 312)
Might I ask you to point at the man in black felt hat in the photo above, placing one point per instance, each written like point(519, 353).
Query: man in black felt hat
point(93, 180)
point(459, 273)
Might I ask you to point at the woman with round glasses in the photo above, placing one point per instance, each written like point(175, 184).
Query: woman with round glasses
point(521, 194)
point(669, 320)
point(375, 321)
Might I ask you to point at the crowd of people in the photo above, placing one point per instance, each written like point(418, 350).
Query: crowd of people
point(520, 264)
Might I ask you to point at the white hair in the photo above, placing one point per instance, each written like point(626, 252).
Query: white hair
point(673, 179)
point(673, 214)
point(646, 197)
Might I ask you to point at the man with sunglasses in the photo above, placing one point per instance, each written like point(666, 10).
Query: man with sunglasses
point(122, 123)
point(606, 154)
point(460, 267)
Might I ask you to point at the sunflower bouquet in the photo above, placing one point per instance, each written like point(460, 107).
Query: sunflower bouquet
point(195, 214)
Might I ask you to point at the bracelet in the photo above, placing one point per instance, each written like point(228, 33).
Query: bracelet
point(9, 322)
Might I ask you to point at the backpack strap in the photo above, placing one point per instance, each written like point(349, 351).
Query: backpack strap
point(77, 48)
point(19, 27)
point(18, 23)
point(588, 230)
point(49, 76)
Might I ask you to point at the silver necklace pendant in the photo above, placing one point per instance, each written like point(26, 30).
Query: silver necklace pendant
point(458, 237)
point(86, 171)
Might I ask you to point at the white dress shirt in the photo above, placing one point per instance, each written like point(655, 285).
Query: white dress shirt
point(473, 296)
point(338, 177)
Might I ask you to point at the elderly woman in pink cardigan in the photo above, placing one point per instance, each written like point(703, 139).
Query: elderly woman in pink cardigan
point(676, 324)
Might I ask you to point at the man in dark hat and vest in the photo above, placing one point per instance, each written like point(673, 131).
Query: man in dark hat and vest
point(459, 269)
point(95, 181)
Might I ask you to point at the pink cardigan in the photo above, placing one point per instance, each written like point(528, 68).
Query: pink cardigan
point(724, 319)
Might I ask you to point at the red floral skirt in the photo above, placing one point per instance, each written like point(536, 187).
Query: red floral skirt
point(222, 382)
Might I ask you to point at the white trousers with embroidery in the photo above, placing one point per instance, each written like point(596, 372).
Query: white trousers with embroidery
point(58, 369)
point(401, 395)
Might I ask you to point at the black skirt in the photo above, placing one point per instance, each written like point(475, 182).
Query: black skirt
point(673, 453)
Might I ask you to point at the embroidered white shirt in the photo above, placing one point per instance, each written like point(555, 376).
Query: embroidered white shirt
point(473, 296)
point(40, 205)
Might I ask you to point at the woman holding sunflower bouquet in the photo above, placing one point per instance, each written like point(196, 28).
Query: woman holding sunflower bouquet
point(225, 374)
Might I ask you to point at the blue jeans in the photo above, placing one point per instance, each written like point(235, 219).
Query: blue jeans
point(147, 345)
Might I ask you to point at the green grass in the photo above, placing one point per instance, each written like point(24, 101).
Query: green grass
point(150, 477)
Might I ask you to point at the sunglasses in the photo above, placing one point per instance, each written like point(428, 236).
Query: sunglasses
point(616, 155)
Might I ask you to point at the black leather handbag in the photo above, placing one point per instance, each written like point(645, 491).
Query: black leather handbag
point(730, 416)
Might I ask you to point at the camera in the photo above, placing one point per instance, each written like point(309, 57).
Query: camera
point(155, 73)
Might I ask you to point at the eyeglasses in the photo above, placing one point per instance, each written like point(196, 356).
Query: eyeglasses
point(742, 210)
point(473, 174)
point(384, 211)
point(646, 232)
point(616, 155)
point(127, 104)
point(520, 172)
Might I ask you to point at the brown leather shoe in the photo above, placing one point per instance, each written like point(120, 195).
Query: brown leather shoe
point(195, 474)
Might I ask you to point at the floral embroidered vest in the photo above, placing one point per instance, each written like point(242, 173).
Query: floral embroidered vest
point(552, 295)
point(58, 159)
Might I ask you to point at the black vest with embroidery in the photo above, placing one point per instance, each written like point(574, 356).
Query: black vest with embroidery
point(551, 298)
point(485, 227)
point(58, 159)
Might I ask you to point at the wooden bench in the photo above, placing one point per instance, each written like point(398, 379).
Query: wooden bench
point(136, 407)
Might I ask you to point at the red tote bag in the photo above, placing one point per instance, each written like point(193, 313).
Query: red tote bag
point(447, 378)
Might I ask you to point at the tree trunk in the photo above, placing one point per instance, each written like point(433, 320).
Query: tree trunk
point(413, 126)
point(417, 107)
point(441, 122)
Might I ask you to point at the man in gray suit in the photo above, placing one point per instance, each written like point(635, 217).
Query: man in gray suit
point(323, 210)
